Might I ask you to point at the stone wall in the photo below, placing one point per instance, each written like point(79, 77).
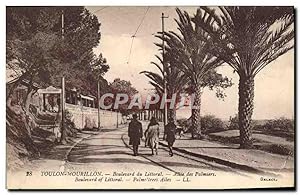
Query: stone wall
point(85, 117)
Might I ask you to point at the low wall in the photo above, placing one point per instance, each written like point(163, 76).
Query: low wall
point(85, 117)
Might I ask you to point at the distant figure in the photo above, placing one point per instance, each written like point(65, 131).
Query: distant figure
point(51, 103)
point(179, 131)
point(170, 135)
point(135, 133)
point(152, 135)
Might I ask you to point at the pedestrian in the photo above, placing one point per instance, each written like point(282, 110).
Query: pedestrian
point(135, 133)
point(170, 135)
point(152, 135)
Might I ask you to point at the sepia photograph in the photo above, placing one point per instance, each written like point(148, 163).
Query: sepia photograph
point(150, 97)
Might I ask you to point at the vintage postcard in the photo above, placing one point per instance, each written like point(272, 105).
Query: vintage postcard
point(149, 97)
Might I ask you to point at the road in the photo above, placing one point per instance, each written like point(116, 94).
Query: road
point(109, 151)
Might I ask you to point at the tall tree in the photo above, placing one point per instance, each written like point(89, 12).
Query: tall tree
point(175, 81)
point(28, 45)
point(119, 86)
point(190, 51)
point(248, 39)
point(178, 82)
point(77, 61)
point(38, 51)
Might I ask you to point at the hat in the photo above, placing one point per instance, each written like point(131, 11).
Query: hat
point(134, 116)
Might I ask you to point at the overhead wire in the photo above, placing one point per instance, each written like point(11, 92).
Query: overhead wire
point(136, 31)
point(100, 9)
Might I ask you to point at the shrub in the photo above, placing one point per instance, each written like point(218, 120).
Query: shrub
point(277, 149)
point(183, 122)
point(210, 124)
point(69, 124)
point(281, 124)
point(233, 122)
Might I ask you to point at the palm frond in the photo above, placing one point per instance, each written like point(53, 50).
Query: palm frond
point(246, 37)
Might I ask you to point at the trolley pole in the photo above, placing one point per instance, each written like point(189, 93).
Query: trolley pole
point(98, 93)
point(117, 119)
point(63, 131)
point(62, 24)
point(164, 71)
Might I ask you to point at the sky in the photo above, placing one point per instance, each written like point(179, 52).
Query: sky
point(274, 85)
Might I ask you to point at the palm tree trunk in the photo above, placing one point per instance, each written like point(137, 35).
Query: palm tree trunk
point(196, 117)
point(246, 104)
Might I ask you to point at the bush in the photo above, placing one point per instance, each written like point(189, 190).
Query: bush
point(281, 124)
point(69, 124)
point(20, 145)
point(277, 149)
point(210, 124)
point(233, 122)
point(183, 122)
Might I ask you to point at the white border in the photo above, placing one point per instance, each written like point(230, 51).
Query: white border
point(114, 3)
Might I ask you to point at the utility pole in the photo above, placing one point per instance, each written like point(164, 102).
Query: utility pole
point(63, 131)
point(62, 24)
point(117, 119)
point(98, 105)
point(164, 68)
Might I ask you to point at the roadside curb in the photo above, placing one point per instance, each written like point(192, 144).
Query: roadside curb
point(74, 144)
point(66, 159)
point(220, 161)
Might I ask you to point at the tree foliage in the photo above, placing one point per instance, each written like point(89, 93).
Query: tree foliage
point(119, 86)
point(189, 50)
point(176, 80)
point(248, 39)
point(233, 122)
point(38, 51)
point(280, 124)
point(211, 124)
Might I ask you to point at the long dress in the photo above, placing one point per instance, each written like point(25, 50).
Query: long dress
point(152, 138)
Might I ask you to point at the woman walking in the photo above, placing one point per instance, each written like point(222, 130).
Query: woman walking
point(152, 135)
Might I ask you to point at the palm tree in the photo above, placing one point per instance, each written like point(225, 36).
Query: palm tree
point(175, 81)
point(189, 50)
point(248, 39)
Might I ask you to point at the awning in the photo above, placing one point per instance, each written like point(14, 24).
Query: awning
point(86, 97)
point(49, 90)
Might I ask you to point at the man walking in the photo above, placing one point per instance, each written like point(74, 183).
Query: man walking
point(170, 133)
point(135, 133)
